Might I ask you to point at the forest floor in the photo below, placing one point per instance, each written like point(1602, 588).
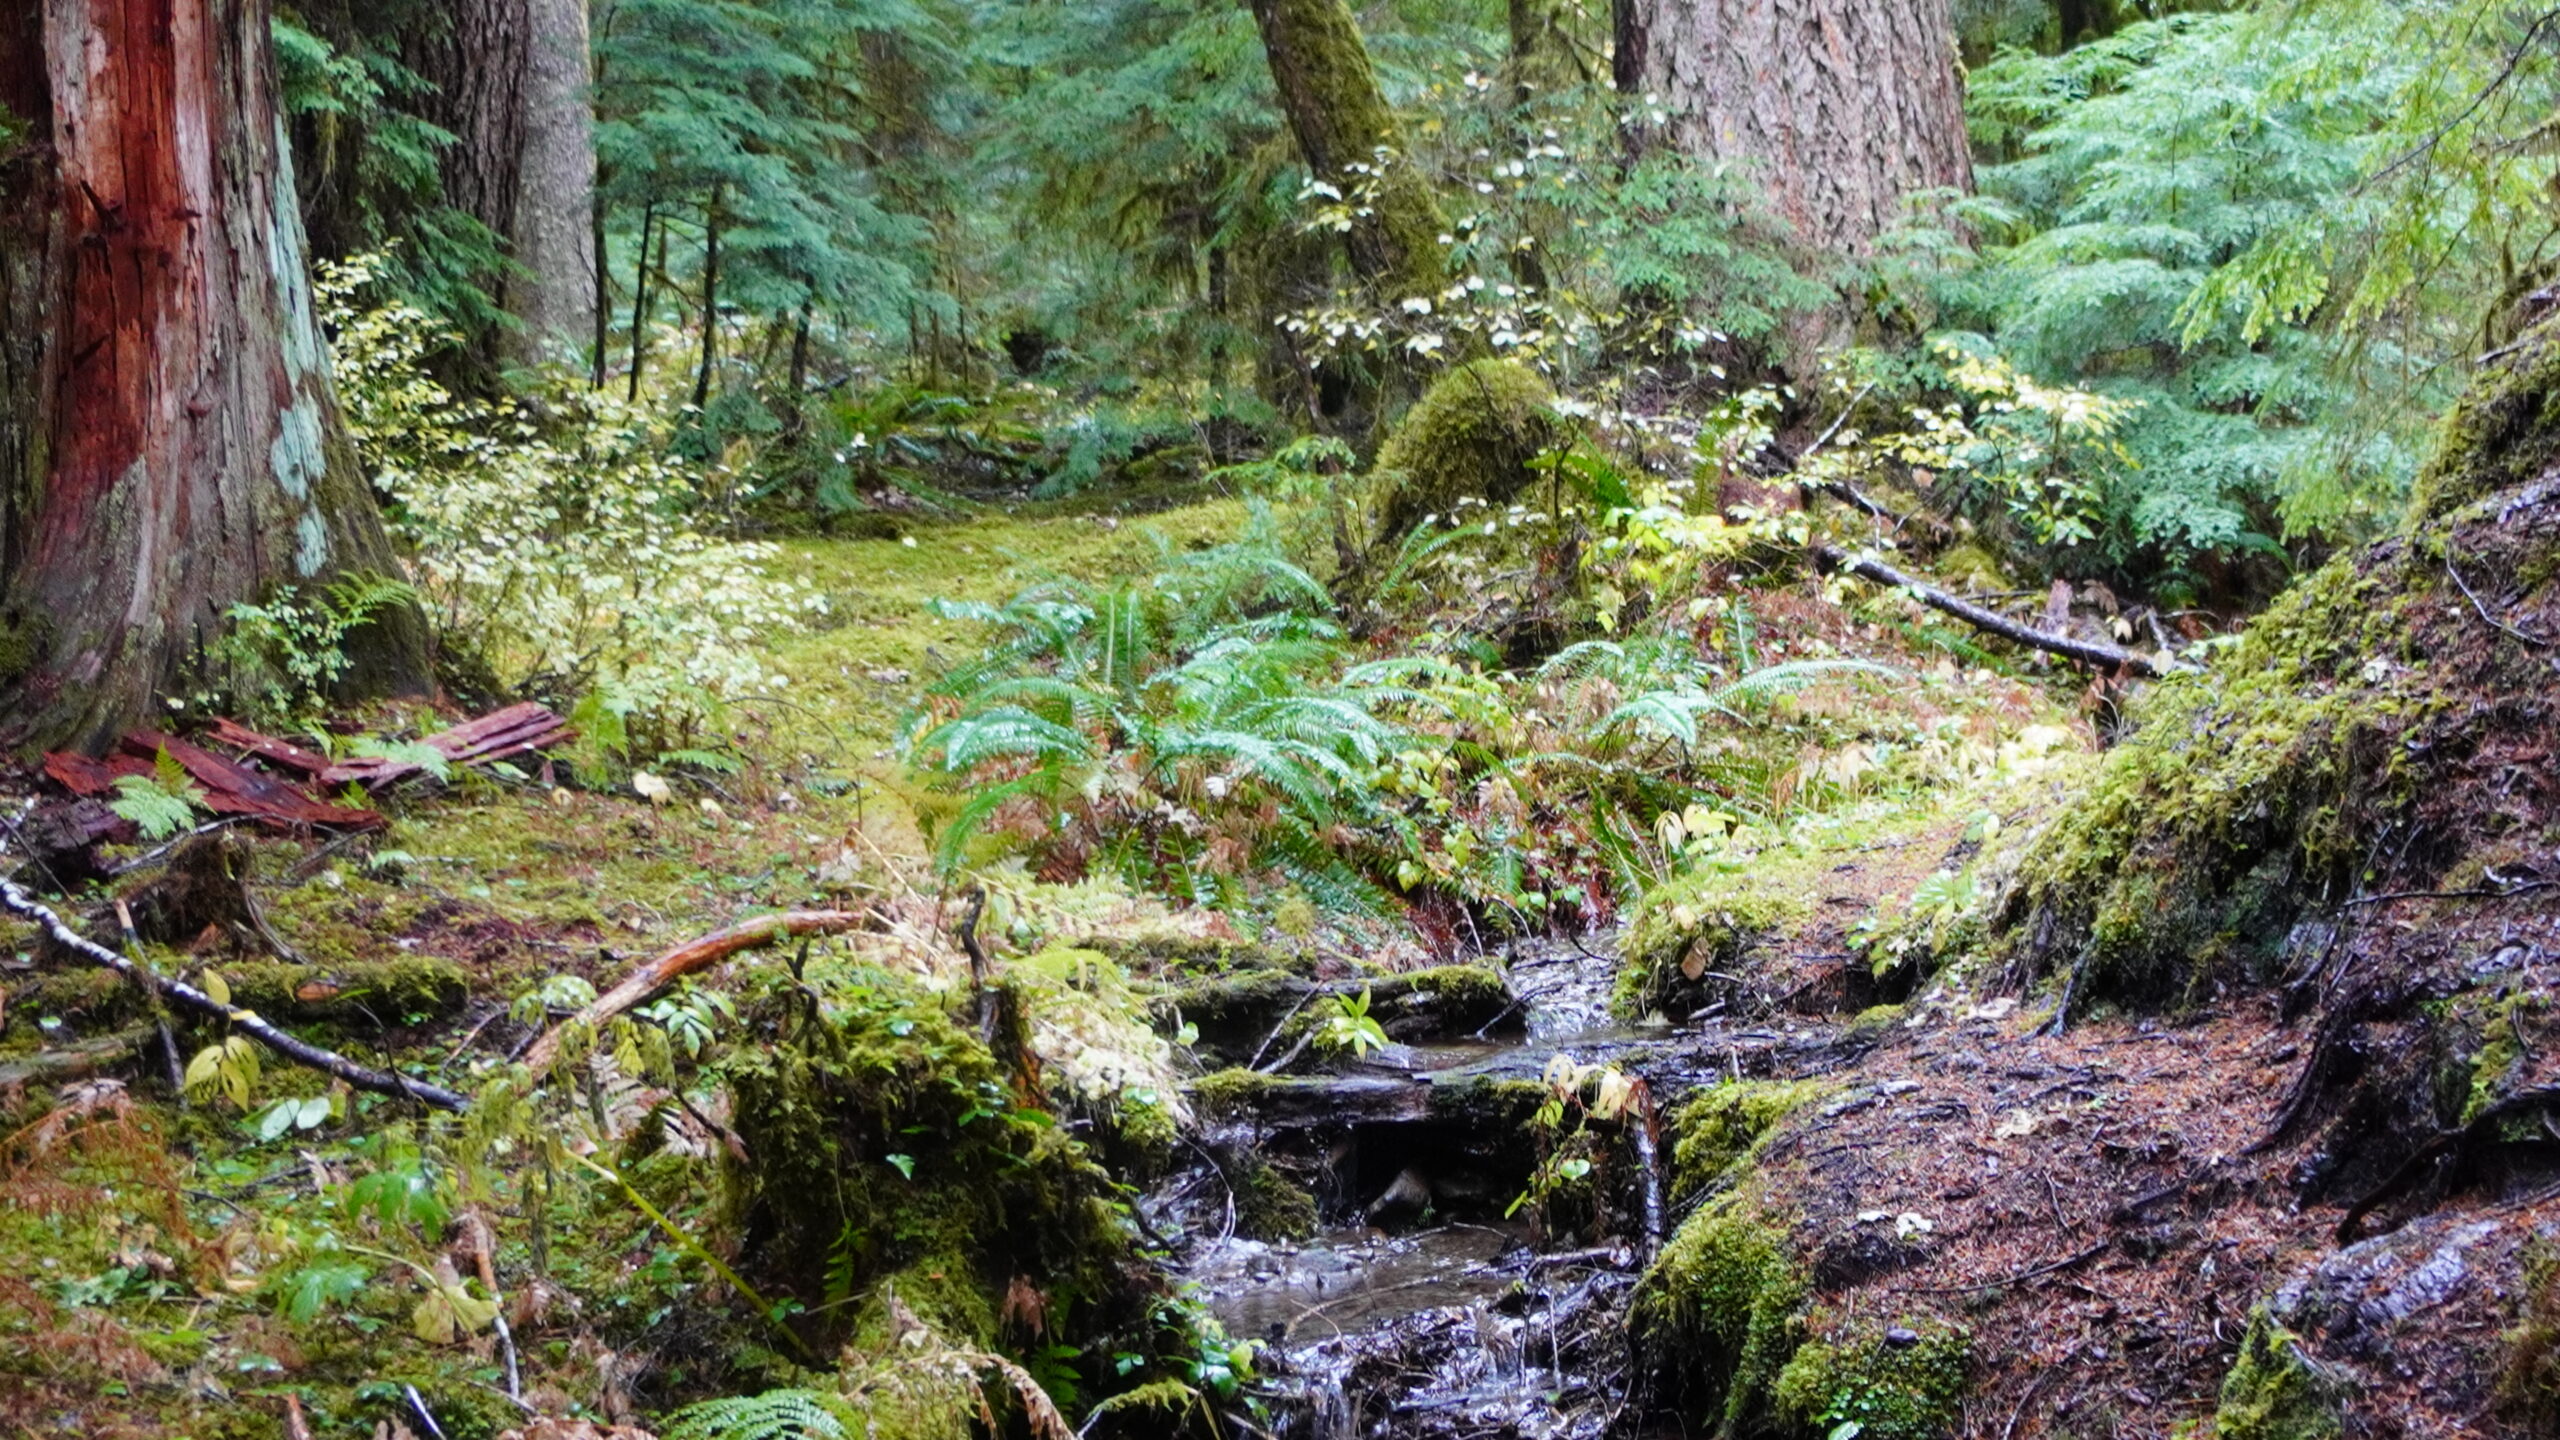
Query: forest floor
point(2099, 1212)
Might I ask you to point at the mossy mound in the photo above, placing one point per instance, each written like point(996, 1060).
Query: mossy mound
point(1720, 1124)
point(2364, 736)
point(1269, 1205)
point(2504, 433)
point(1719, 1314)
point(1687, 939)
point(1471, 436)
point(889, 1151)
point(1901, 1383)
point(2272, 1393)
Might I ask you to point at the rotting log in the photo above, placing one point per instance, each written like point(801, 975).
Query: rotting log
point(640, 985)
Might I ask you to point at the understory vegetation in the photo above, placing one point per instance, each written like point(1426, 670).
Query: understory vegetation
point(1101, 667)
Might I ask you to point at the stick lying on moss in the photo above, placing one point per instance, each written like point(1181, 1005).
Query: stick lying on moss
point(2106, 657)
point(636, 988)
point(247, 1022)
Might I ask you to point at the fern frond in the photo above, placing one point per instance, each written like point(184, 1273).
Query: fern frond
point(773, 1415)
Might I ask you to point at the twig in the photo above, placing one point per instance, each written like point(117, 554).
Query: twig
point(2534, 642)
point(2023, 1276)
point(637, 988)
point(418, 1403)
point(2042, 1378)
point(2521, 887)
point(2089, 652)
point(247, 1022)
point(1260, 1050)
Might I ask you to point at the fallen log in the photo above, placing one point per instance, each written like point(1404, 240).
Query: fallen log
point(2087, 652)
point(246, 1022)
point(637, 988)
point(76, 1061)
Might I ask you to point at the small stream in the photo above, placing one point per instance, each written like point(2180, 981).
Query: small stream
point(1462, 1328)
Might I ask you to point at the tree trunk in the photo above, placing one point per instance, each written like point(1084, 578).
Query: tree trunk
point(553, 237)
point(169, 442)
point(1340, 118)
point(1840, 108)
point(710, 301)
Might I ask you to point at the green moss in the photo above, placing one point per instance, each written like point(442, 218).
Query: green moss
point(1720, 1124)
point(1224, 1093)
point(1873, 1021)
point(1269, 1205)
point(1487, 1106)
point(1341, 118)
point(1913, 1390)
point(90, 994)
point(1471, 436)
point(2492, 1067)
point(886, 1149)
point(390, 991)
point(1701, 922)
point(2504, 431)
point(2195, 843)
point(2272, 1392)
point(2528, 1389)
point(1719, 1312)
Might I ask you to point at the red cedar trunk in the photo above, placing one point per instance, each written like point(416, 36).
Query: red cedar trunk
point(1840, 108)
point(169, 442)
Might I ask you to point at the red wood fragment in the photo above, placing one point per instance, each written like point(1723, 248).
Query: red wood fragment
point(83, 776)
point(515, 730)
point(267, 747)
point(234, 789)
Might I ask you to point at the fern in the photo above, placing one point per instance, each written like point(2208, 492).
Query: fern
point(773, 1415)
point(156, 808)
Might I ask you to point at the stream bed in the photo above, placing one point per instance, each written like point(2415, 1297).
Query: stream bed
point(1424, 1307)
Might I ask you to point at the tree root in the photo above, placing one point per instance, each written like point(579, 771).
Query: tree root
point(640, 985)
point(2445, 1147)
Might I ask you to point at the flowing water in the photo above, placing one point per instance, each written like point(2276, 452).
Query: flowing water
point(1464, 1330)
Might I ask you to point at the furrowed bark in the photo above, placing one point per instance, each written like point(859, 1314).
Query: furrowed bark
point(1840, 108)
point(169, 439)
point(555, 238)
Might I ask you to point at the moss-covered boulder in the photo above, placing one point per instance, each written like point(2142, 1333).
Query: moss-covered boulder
point(1719, 1314)
point(1471, 436)
point(1720, 1124)
point(2363, 738)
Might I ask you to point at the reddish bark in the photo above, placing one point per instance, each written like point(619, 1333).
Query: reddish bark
point(171, 446)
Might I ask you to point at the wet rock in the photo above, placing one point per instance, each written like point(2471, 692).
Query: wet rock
point(2356, 1297)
